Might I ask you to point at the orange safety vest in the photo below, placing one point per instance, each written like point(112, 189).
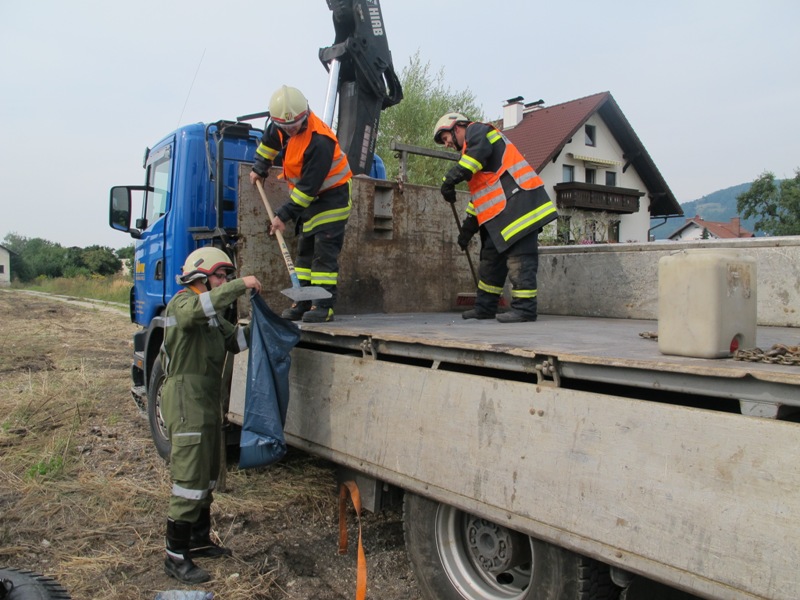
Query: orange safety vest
point(488, 197)
point(339, 173)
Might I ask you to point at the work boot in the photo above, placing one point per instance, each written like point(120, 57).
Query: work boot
point(513, 316)
point(474, 313)
point(296, 311)
point(318, 314)
point(178, 563)
point(201, 544)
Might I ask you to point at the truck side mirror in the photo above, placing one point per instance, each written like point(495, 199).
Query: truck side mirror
point(119, 214)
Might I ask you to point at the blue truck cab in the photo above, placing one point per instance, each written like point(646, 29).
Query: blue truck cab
point(189, 200)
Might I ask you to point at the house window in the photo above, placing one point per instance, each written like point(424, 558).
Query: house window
point(2, 269)
point(590, 175)
point(611, 178)
point(568, 173)
point(590, 135)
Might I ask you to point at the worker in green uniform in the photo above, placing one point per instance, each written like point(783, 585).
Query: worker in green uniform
point(196, 339)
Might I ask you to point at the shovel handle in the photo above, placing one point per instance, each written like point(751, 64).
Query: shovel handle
point(287, 257)
point(466, 250)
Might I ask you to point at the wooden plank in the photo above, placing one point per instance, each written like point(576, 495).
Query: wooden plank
point(704, 501)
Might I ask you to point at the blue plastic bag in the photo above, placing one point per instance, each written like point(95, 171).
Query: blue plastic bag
point(267, 392)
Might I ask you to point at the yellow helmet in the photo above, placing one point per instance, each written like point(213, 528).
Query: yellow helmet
point(446, 123)
point(203, 262)
point(288, 106)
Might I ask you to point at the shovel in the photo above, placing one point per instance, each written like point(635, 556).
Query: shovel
point(297, 293)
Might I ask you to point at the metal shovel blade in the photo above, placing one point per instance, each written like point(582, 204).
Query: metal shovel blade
point(308, 292)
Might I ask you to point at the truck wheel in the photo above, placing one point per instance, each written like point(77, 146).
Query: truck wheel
point(457, 556)
point(157, 427)
point(18, 584)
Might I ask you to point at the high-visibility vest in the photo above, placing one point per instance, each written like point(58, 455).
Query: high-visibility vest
point(339, 172)
point(488, 197)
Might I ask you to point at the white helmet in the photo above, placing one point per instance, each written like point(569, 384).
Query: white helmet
point(203, 262)
point(446, 123)
point(288, 107)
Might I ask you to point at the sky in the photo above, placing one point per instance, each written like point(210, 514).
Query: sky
point(710, 87)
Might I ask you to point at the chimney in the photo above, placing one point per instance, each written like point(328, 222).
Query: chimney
point(512, 112)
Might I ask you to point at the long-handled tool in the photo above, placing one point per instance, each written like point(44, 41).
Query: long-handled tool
point(466, 250)
point(297, 292)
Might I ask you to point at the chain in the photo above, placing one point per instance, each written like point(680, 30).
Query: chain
point(779, 354)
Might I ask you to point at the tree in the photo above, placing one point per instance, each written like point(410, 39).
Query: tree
point(425, 99)
point(101, 260)
point(775, 205)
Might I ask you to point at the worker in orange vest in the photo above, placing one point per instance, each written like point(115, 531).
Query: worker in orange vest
point(319, 177)
point(508, 205)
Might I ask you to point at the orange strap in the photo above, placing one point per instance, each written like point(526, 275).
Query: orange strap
point(361, 577)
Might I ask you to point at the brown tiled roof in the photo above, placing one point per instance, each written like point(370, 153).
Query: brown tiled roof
point(723, 231)
point(543, 133)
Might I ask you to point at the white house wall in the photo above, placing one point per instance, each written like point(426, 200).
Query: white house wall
point(632, 227)
point(5, 271)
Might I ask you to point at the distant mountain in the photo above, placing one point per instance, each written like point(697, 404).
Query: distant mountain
point(718, 206)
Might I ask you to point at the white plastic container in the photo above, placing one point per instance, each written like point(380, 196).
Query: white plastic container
point(706, 303)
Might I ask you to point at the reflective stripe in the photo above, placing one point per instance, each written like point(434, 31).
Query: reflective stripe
point(324, 278)
point(470, 164)
point(494, 136)
point(328, 216)
point(266, 152)
point(208, 306)
point(241, 339)
point(527, 220)
point(170, 321)
point(300, 198)
point(182, 492)
point(491, 289)
point(303, 274)
point(471, 209)
point(334, 178)
point(523, 293)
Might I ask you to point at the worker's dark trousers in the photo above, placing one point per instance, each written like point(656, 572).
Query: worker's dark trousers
point(193, 415)
point(318, 259)
point(520, 263)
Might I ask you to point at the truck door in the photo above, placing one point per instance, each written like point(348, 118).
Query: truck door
point(151, 249)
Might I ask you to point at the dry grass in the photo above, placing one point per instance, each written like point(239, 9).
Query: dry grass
point(83, 494)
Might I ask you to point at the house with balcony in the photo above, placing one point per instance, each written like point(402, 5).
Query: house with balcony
point(605, 184)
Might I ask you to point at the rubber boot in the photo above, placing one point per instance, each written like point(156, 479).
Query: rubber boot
point(318, 314)
point(178, 563)
point(200, 543)
point(474, 313)
point(296, 311)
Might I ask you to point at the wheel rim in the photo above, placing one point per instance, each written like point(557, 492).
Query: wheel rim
point(483, 560)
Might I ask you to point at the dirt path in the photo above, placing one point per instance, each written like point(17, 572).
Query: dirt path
point(83, 494)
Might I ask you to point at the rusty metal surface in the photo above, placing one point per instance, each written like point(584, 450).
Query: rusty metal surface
point(399, 252)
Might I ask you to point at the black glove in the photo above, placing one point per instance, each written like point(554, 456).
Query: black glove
point(448, 190)
point(464, 238)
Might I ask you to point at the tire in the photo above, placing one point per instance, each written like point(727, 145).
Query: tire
point(457, 556)
point(158, 429)
point(27, 585)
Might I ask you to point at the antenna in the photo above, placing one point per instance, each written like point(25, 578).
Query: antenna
point(189, 93)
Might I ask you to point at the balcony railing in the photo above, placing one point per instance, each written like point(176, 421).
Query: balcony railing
point(590, 196)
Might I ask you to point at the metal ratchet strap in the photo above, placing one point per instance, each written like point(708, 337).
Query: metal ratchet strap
point(361, 577)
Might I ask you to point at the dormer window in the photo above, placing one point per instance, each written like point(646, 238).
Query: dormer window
point(590, 134)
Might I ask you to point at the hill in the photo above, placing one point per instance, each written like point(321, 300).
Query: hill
point(718, 206)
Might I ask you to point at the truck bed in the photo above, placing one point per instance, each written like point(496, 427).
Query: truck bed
point(585, 348)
